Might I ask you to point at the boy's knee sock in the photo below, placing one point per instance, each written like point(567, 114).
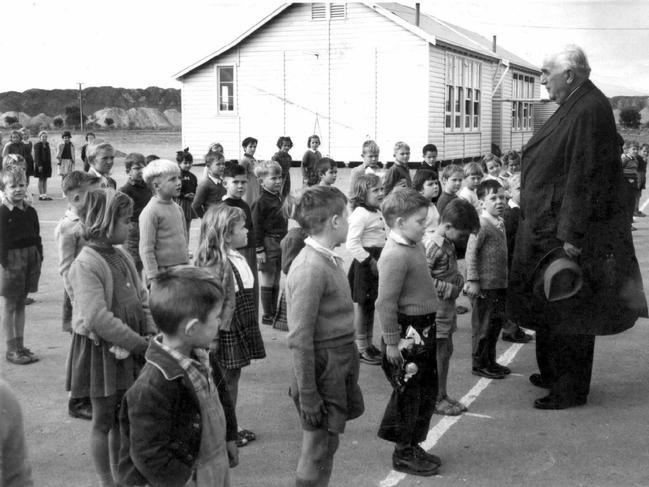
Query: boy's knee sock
point(20, 342)
point(275, 297)
point(267, 300)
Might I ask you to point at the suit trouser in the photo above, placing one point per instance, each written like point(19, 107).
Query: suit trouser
point(565, 363)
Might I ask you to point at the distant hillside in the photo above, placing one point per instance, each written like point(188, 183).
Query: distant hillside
point(149, 108)
point(53, 102)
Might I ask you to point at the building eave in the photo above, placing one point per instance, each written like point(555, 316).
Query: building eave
point(180, 74)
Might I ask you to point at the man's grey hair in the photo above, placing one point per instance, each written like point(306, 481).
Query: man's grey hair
point(574, 58)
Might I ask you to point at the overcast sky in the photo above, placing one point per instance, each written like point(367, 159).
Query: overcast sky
point(140, 43)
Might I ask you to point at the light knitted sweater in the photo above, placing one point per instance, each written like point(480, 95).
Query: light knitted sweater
point(486, 255)
point(163, 239)
point(405, 286)
point(320, 314)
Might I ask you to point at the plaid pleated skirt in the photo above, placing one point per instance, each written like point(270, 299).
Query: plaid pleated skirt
point(21, 274)
point(243, 342)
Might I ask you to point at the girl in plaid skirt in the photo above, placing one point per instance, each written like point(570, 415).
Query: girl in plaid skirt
point(222, 231)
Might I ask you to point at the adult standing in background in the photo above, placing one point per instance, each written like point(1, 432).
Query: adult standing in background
point(42, 164)
point(572, 198)
point(27, 152)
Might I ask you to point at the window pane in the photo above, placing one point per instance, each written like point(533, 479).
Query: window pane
point(226, 88)
point(448, 121)
point(476, 108)
point(449, 99)
point(458, 100)
point(468, 107)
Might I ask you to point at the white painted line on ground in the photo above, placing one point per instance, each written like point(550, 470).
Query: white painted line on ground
point(476, 415)
point(446, 422)
point(644, 205)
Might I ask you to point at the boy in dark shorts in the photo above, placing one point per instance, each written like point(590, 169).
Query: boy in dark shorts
point(406, 306)
point(321, 334)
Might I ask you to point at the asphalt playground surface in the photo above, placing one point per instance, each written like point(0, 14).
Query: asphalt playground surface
point(501, 441)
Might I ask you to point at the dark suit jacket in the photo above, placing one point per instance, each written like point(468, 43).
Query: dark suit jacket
point(571, 191)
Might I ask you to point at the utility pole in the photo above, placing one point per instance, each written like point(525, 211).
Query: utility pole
point(80, 106)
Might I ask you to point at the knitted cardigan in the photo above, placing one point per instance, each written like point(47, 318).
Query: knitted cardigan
point(91, 280)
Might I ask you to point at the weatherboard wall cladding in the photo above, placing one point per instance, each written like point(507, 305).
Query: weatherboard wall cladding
point(347, 79)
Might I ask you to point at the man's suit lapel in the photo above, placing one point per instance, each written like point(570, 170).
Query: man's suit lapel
point(555, 120)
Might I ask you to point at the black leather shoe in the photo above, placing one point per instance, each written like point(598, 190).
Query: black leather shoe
point(488, 374)
point(536, 380)
point(554, 402)
point(419, 452)
point(83, 411)
point(500, 369)
point(407, 462)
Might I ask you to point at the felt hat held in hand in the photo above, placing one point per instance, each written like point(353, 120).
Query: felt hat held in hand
point(557, 276)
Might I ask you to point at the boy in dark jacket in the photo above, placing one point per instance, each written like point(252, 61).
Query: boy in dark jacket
point(174, 426)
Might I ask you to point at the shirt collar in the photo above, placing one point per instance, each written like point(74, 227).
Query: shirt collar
point(8, 204)
point(438, 239)
point(496, 221)
point(399, 239)
point(71, 215)
point(184, 361)
point(215, 180)
point(328, 253)
point(513, 204)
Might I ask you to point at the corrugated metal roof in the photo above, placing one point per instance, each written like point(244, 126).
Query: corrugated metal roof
point(457, 36)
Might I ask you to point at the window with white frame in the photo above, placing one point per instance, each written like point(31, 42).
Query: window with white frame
point(522, 101)
point(225, 93)
point(463, 94)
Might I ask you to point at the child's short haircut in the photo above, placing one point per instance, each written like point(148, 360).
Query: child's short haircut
point(421, 176)
point(490, 157)
point(370, 147)
point(77, 180)
point(317, 204)
point(402, 203)
point(361, 187)
point(41, 133)
point(644, 146)
point(428, 148)
point(158, 168)
point(511, 155)
point(488, 186)
point(89, 134)
point(214, 146)
point(461, 215)
point(324, 165)
point(234, 169)
point(91, 151)
point(12, 174)
point(212, 157)
point(473, 169)
point(16, 132)
point(247, 141)
point(181, 293)
point(184, 156)
point(401, 145)
point(102, 210)
point(284, 140)
point(151, 157)
point(312, 137)
point(267, 168)
point(627, 143)
point(450, 170)
point(134, 159)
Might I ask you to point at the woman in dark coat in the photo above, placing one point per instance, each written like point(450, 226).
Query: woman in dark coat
point(42, 164)
point(572, 198)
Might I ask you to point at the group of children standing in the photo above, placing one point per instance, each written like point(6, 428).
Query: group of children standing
point(158, 370)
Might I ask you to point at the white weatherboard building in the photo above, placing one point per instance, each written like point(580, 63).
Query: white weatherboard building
point(353, 71)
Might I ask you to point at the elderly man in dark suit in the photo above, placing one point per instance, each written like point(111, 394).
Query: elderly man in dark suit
point(572, 198)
